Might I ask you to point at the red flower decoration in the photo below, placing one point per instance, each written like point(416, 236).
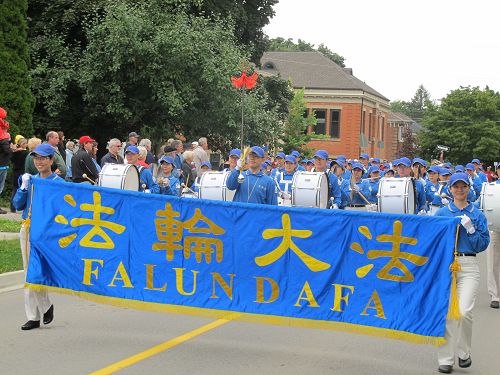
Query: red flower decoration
point(248, 82)
point(3, 113)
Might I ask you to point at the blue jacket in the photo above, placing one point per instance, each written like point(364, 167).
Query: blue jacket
point(22, 198)
point(146, 178)
point(257, 188)
point(344, 192)
point(335, 193)
point(433, 194)
point(370, 189)
point(173, 188)
point(356, 198)
point(469, 243)
point(279, 177)
point(276, 171)
point(420, 195)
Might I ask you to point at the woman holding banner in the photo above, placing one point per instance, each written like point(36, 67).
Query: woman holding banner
point(473, 237)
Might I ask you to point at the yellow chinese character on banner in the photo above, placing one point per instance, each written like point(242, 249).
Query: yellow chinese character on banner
point(287, 233)
point(170, 232)
point(395, 255)
point(96, 222)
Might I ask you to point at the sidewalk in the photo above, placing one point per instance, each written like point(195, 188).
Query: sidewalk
point(10, 215)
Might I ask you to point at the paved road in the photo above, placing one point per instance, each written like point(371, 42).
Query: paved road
point(87, 337)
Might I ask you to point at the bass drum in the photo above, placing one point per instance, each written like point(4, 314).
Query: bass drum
point(490, 205)
point(213, 186)
point(119, 176)
point(397, 195)
point(310, 189)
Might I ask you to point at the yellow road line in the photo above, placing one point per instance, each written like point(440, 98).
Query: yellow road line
point(159, 348)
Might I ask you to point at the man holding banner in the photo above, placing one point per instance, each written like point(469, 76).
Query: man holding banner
point(34, 301)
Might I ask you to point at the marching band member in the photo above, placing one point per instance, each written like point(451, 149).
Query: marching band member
point(206, 166)
point(473, 237)
point(341, 159)
point(363, 159)
point(493, 265)
point(234, 155)
point(296, 155)
point(404, 170)
point(320, 159)
point(146, 183)
point(337, 167)
point(418, 167)
point(433, 190)
point(478, 169)
point(280, 164)
point(303, 164)
point(476, 182)
point(358, 189)
point(257, 187)
point(35, 303)
point(444, 177)
point(389, 172)
point(285, 178)
point(309, 165)
point(372, 184)
point(168, 183)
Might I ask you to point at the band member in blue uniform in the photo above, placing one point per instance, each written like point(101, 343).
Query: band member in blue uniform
point(169, 185)
point(36, 304)
point(147, 182)
point(372, 183)
point(337, 168)
point(478, 169)
point(473, 238)
point(433, 190)
point(284, 179)
point(256, 187)
point(280, 164)
point(233, 157)
point(475, 180)
point(296, 155)
point(404, 170)
point(493, 264)
point(320, 160)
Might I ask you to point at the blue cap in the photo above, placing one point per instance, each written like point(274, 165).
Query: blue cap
point(376, 160)
point(295, 153)
point(310, 161)
point(337, 162)
point(235, 152)
point(395, 162)
point(268, 162)
point(132, 149)
point(341, 157)
point(291, 159)
point(43, 150)
point(434, 169)
point(475, 161)
point(404, 161)
point(459, 168)
point(257, 151)
point(304, 161)
point(322, 154)
point(373, 169)
point(206, 164)
point(280, 155)
point(444, 171)
point(459, 177)
point(166, 159)
point(357, 165)
point(447, 165)
point(264, 147)
point(387, 166)
point(364, 156)
point(419, 161)
point(470, 166)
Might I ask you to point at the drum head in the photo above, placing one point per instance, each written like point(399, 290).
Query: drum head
point(213, 186)
point(119, 176)
point(310, 189)
point(397, 195)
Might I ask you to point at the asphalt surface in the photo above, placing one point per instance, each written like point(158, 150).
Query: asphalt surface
point(85, 337)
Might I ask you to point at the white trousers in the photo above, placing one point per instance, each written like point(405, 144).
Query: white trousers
point(459, 332)
point(493, 265)
point(35, 303)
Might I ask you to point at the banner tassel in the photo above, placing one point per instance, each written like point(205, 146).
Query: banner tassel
point(454, 309)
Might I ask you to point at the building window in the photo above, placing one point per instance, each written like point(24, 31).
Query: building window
point(320, 127)
point(400, 133)
point(370, 132)
point(381, 128)
point(363, 123)
point(335, 123)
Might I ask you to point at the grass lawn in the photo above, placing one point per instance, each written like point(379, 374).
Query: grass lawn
point(10, 256)
point(9, 225)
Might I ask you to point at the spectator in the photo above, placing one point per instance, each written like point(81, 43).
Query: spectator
point(29, 165)
point(70, 151)
point(489, 174)
point(187, 171)
point(200, 154)
point(52, 138)
point(5, 154)
point(82, 162)
point(143, 153)
point(179, 149)
point(113, 156)
point(94, 156)
point(60, 146)
point(18, 159)
point(150, 158)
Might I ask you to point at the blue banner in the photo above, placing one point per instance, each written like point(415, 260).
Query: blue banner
point(373, 273)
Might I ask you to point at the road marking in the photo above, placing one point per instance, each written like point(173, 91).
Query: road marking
point(159, 348)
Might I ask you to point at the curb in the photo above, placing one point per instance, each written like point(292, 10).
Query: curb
point(9, 235)
point(11, 281)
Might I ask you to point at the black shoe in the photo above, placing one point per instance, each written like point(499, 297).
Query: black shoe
point(464, 362)
point(2, 211)
point(445, 369)
point(30, 324)
point(49, 315)
point(495, 305)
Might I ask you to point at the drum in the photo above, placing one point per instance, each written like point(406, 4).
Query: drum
point(490, 205)
point(119, 176)
point(188, 193)
point(213, 186)
point(397, 195)
point(310, 189)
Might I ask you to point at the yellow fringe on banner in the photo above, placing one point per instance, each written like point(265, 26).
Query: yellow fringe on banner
point(454, 308)
point(247, 317)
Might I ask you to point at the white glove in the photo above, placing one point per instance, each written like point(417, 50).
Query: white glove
point(285, 195)
point(422, 212)
point(467, 224)
point(239, 164)
point(25, 180)
point(444, 201)
point(371, 208)
point(356, 188)
point(166, 182)
point(335, 207)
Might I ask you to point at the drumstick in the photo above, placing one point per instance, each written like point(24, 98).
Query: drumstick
point(189, 189)
point(88, 178)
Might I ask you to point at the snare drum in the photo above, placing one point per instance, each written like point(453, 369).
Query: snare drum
point(397, 195)
point(213, 186)
point(188, 193)
point(490, 205)
point(310, 189)
point(119, 176)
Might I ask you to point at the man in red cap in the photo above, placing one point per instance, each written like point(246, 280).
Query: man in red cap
point(82, 162)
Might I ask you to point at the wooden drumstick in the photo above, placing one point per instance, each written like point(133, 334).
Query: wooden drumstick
point(88, 178)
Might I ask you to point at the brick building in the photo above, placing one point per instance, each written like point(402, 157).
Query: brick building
point(351, 116)
point(398, 122)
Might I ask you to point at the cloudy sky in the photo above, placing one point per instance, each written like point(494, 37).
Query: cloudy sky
point(396, 45)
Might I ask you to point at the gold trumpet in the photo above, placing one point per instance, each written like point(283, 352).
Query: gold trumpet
point(241, 176)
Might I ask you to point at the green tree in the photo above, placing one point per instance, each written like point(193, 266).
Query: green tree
point(295, 135)
point(420, 105)
point(409, 148)
point(288, 45)
point(15, 93)
point(468, 121)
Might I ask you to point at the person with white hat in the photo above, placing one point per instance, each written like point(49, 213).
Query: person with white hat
point(473, 238)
